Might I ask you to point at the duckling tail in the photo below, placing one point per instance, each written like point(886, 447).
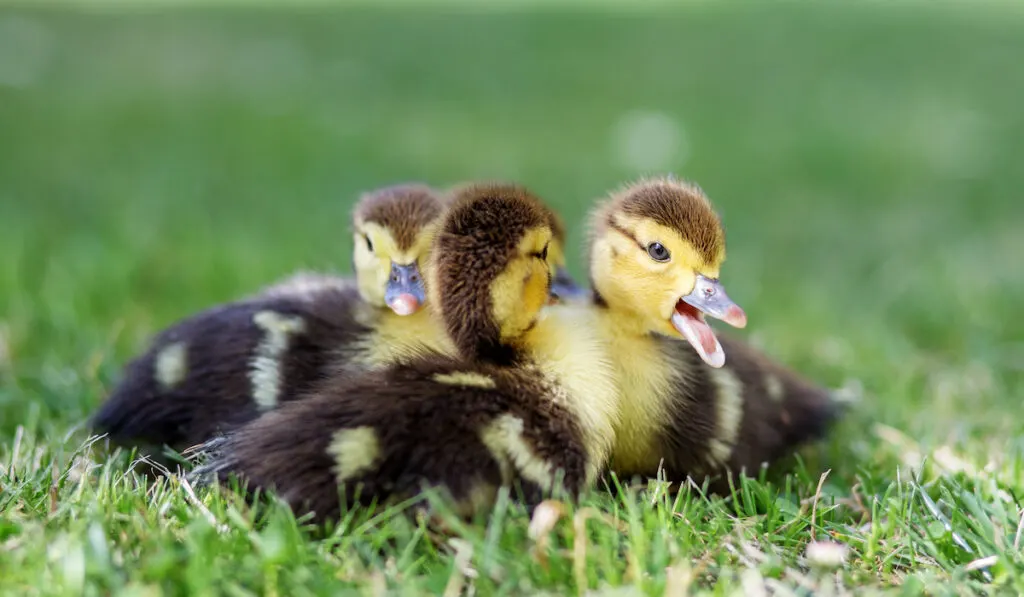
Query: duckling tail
point(781, 410)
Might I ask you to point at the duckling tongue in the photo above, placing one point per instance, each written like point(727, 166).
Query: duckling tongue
point(404, 304)
point(699, 334)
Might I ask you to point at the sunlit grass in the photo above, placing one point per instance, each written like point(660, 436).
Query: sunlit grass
point(865, 161)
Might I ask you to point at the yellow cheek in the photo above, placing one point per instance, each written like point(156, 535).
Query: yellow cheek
point(556, 256)
point(517, 296)
point(371, 274)
point(536, 291)
point(685, 281)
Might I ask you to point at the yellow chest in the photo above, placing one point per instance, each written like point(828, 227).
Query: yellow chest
point(647, 380)
point(570, 353)
point(393, 337)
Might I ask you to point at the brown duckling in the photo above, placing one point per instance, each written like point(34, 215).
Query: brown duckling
point(530, 399)
point(226, 365)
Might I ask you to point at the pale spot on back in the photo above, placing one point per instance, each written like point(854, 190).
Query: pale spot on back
point(729, 407)
point(171, 365)
point(305, 286)
point(465, 378)
point(773, 387)
point(355, 451)
point(504, 438)
point(265, 373)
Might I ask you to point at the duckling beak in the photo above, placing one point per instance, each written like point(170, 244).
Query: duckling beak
point(405, 293)
point(564, 287)
point(707, 298)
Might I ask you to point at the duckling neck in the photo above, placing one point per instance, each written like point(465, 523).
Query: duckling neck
point(647, 378)
point(566, 347)
point(619, 320)
point(395, 337)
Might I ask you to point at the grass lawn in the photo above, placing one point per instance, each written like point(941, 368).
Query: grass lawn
point(866, 161)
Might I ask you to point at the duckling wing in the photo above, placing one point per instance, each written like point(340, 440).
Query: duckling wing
point(226, 365)
point(781, 410)
point(750, 412)
point(388, 434)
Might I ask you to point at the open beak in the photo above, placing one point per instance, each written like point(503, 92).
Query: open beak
point(707, 298)
point(405, 293)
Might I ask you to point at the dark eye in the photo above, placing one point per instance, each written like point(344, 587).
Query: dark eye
point(658, 252)
point(544, 253)
point(369, 243)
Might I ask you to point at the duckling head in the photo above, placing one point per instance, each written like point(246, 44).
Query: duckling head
point(491, 268)
point(656, 250)
point(393, 231)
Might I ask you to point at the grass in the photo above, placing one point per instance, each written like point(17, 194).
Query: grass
point(865, 158)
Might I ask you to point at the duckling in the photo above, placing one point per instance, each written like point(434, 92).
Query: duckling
point(530, 399)
point(226, 365)
point(693, 404)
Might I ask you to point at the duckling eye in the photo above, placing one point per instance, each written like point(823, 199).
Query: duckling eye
point(369, 243)
point(544, 253)
point(658, 252)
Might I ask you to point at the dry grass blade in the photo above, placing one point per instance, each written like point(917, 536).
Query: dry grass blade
point(462, 568)
point(54, 482)
point(981, 563)
point(190, 496)
point(579, 548)
point(545, 516)
point(814, 507)
point(678, 578)
point(1020, 532)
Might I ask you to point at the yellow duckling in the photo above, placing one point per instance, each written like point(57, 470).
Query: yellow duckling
point(692, 403)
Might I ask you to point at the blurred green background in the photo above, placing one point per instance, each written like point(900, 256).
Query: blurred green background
point(866, 159)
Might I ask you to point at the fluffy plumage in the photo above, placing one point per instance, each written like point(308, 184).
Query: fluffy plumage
point(514, 408)
point(228, 364)
point(405, 210)
point(386, 435)
point(231, 363)
point(678, 411)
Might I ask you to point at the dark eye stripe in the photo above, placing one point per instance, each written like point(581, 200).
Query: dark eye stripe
point(614, 226)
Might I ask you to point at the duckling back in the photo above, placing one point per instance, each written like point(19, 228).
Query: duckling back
point(780, 409)
point(433, 422)
point(228, 364)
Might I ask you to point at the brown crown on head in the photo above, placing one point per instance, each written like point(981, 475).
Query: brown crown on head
point(557, 227)
point(404, 209)
point(479, 237)
point(677, 204)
